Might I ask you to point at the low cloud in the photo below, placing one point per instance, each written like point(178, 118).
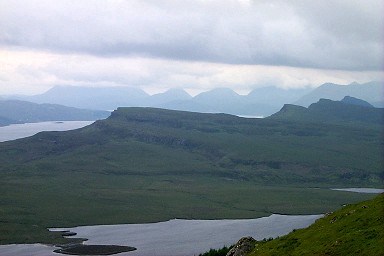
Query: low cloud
point(32, 73)
point(342, 35)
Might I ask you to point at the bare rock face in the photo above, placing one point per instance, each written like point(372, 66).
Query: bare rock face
point(242, 247)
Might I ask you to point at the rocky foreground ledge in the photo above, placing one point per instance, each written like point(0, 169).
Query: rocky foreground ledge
point(244, 246)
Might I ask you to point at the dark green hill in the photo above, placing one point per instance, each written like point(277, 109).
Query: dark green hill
point(146, 165)
point(353, 230)
point(329, 111)
point(355, 101)
point(228, 146)
point(16, 111)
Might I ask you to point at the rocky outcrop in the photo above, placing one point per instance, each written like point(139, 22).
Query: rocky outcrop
point(242, 247)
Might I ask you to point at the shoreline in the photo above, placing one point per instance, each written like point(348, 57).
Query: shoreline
point(174, 237)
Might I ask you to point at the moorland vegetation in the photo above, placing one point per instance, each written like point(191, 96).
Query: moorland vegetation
point(146, 165)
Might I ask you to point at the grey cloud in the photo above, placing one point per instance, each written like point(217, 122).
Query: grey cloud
point(318, 34)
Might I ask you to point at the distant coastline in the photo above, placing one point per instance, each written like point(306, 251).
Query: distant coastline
point(361, 190)
point(18, 131)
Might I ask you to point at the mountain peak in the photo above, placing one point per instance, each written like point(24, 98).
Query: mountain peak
point(217, 93)
point(176, 93)
point(221, 90)
point(171, 95)
point(354, 84)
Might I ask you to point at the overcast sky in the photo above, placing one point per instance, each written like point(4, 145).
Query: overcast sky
point(192, 44)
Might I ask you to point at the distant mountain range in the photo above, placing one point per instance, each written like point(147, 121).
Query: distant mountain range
point(259, 102)
point(105, 98)
point(16, 111)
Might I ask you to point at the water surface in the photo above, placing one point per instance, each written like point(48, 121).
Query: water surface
point(190, 237)
point(174, 237)
point(361, 190)
point(17, 131)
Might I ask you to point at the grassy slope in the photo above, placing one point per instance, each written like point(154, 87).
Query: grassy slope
point(353, 230)
point(145, 165)
point(332, 112)
point(153, 141)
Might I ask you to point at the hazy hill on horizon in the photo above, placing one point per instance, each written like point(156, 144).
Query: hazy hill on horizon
point(16, 111)
point(169, 96)
point(97, 98)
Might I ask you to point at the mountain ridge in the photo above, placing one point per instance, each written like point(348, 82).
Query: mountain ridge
point(356, 101)
point(262, 101)
point(330, 111)
point(219, 100)
point(186, 130)
point(97, 98)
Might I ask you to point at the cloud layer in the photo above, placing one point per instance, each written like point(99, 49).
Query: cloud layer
point(194, 44)
point(317, 34)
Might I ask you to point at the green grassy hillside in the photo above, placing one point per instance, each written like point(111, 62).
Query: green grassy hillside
point(354, 230)
point(348, 111)
point(146, 165)
point(153, 141)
